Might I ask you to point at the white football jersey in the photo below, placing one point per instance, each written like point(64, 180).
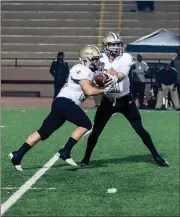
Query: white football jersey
point(120, 64)
point(72, 89)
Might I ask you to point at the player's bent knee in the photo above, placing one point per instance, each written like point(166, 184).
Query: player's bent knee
point(44, 134)
point(86, 124)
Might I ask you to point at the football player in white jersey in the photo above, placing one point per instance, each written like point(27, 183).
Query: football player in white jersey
point(66, 107)
point(119, 99)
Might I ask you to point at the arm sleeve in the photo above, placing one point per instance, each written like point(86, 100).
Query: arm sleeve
point(158, 80)
point(172, 63)
point(81, 74)
point(67, 72)
point(52, 69)
point(127, 66)
point(133, 67)
point(146, 67)
point(175, 78)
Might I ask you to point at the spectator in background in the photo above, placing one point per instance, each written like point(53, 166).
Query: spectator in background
point(175, 63)
point(145, 6)
point(60, 71)
point(139, 70)
point(167, 82)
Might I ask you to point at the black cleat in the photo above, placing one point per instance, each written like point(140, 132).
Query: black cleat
point(61, 154)
point(84, 164)
point(16, 160)
point(160, 161)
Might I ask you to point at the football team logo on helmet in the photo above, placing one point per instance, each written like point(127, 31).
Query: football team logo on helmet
point(89, 56)
point(112, 45)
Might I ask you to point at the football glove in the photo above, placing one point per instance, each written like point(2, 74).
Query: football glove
point(108, 88)
point(113, 79)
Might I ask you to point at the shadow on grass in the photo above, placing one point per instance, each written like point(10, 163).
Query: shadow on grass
point(129, 159)
point(104, 162)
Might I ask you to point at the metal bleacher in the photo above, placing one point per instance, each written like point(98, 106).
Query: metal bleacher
point(33, 32)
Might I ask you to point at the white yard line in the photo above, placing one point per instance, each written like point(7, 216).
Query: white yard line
point(27, 185)
point(13, 188)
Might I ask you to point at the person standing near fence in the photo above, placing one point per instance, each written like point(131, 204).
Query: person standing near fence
point(60, 71)
point(167, 82)
point(139, 70)
point(175, 63)
point(146, 6)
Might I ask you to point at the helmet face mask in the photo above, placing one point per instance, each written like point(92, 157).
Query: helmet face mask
point(89, 56)
point(95, 63)
point(114, 49)
point(112, 45)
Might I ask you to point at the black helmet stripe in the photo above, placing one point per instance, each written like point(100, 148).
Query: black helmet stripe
point(115, 36)
point(96, 48)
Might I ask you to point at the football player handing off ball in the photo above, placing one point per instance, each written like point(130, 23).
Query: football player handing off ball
point(117, 63)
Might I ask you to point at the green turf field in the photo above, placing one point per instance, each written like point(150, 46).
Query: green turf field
point(119, 161)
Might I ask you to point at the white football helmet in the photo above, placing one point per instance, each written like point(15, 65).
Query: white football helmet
point(89, 56)
point(112, 45)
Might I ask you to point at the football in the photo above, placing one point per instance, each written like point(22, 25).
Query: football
point(101, 79)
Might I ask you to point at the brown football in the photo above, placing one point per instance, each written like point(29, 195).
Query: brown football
point(101, 79)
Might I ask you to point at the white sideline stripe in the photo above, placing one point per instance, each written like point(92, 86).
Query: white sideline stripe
point(12, 188)
point(27, 185)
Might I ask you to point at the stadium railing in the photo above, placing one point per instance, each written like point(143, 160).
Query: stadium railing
point(16, 63)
